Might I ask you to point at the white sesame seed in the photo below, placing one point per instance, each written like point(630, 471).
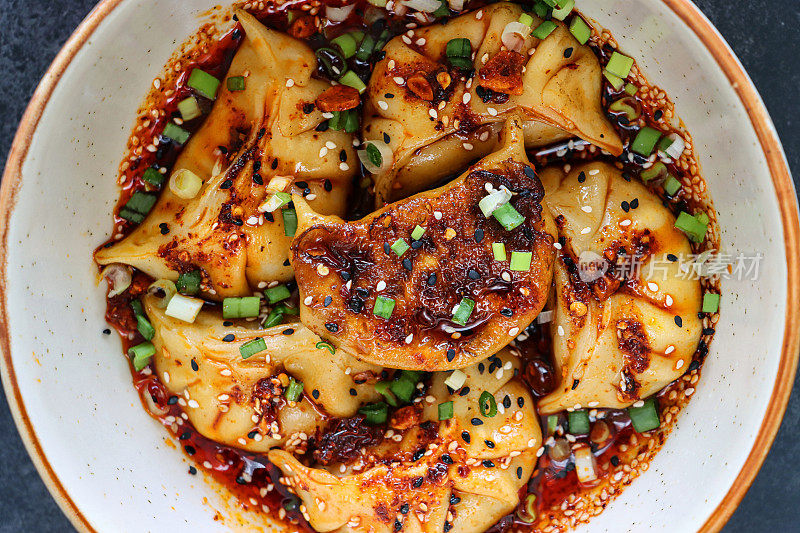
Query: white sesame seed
point(193, 403)
point(409, 338)
point(669, 350)
point(586, 230)
point(560, 331)
point(166, 377)
point(380, 286)
point(679, 364)
point(513, 332)
point(308, 300)
point(467, 146)
point(330, 145)
point(437, 215)
point(640, 403)
point(323, 151)
point(398, 80)
point(466, 98)
point(586, 209)
point(432, 112)
point(506, 276)
point(557, 245)
point(383, 105)
point(344, 166)
point(624, 223)
point(492, 111)
point(652, 286)
point(668, 300)
point(594, 172)
point(290, 82)
point(390, 64)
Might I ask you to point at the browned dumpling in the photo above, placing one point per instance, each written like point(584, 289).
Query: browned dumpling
point(626, 334)
point(240, 402)
point(468, 483)
point(436, 121)
point(371, 289)
point(273, 146)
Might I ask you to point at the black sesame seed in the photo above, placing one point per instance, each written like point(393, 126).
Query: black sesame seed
point(575, 383)
point(507, 401)
point(172, 400)
point(487, 463)
point(464, 391)
point(451, 354)
point(473, 274)
point(327, 185)
point(568, 52)
point(286, 263)
point(332, 327)
point(407, 264)
point(387, 247)
point(415, 245)
point(625, 206)
point(268, 217)
point(581, 177)
point(258, 179)
point(465, 436)
point(481, 368)
point(454, 500)
point(658, 114)
point(446, 459)
point(404, 509)
point(634, 203)
point(342, 156)
point(678, 321)
point(322, 126)
point(327, 301)
point(476, 421)
point(164, 228)
point(447, 526)
point(194, 366)
point(315, 394)
point(708, 331)
point(418, 482)
point(192, 470)
point(227, 184)
point(615, 460)
point(432, 279)
point(288, 331)
point(274, 164)
point(301, 184)
point(261, 132)
point(521, 402)
point(694, 365)
point(386, 138)
point(106, 331)
point(479, 235)
point(489, 443)
point(388, 95)
point(519, 472)
point(398, 525)
point(506, 312)
point(672, 257)
point(190, 449)
point(252, 434)
point(308, 108)
point(257, 166)
point(229, 338)
point(353, 392)
point(529, 172)
point(186, 435)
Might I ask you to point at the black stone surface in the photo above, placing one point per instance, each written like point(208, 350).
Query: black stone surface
point(763, 33)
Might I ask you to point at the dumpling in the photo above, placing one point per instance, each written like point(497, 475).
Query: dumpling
point(269, 129)
point(468, 477)
point(240, 402)
point(417, 101)
point(440, 300)
point(625, 329)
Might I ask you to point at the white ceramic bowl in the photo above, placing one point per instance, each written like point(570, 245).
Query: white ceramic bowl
point(105, 460)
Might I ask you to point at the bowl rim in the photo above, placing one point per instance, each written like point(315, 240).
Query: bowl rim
point(725, 58)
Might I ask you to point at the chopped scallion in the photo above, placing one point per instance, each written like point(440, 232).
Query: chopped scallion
point(184, 308)
point(289, 222)
point(544, 29)
point(658, 170)
point(141, 355)
point(274, 318)
point(375, 413)
point(189, 108)
point(499, 251)
point(694, 226)
point(578, 422)
point(323, 345)
point(366, 47)
point(351, 79)
point(383, 307)
point(277, 293)
point(141, 202)
point(631, 89)
point(552, 424)
point(521, 261)
point(672, 185)
point(619, 65)
point(710, 302)
point(418, 232)
point(246, 307)
point(145, 327)
point(276, 201)
point(204, 83)
point(580, 30)
point(446, 410)
point(526, 19)
point(463, 311)
point(235, 83)
point(456, 380)
point(382, 388)
point(153, 177)
point(294, 390)
point(487, 404)
point(185, 184)
point(615, 80)
point(400, 247)
point(645, 141)
point(542, 10)
point(250, 348)
point(346, 43)
point(645, 418)
point(459, 53)
point(176, 133)
point(564, 9)
point(189, 282)
point(508, 217)
point(403, 388)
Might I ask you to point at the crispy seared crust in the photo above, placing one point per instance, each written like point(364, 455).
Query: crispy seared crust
point(347, 263)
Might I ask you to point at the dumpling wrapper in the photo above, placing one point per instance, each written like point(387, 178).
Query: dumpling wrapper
point(628, 345)
point(221, 231)
point(342, 267)
point(230, 390)
point(371, 500)
point(560, 97)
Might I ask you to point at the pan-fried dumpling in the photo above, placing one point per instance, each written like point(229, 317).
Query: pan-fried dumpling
point(228, 397)
point(619, 335)
point(467, 482)
point(386, 297)
point(418, 101)
point(271, 135)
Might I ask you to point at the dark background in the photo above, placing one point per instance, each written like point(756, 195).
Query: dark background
point(765, 34)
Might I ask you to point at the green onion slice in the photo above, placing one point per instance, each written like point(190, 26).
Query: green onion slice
point(145, 327)
point(525, 19)
point(403, 388)
point(189, 282)
point(456, 380)
point(552, 424)
point(184, 308)
point(495, 199)
point(645, 418)
point(153, 177)
point(418, 232)
point(564, 10)
point(277, 293)
point(142, 354)
point(189, 108)
point(375, 413)
point(615, 80)
point(294, 390)
point(580, 30)
point(176, 133)
point(694, 226)
point(351, 79)
point(374, 155)
point(185, 184)
point(645, 141)
point(544, 29)
point(578, 422)
point(508, 217)
point(400, 247)
point(521, 261)
point(322, 345)
point(499, 251)
point(235, 83)
point(382, 388)
point(446, 410)
point(463, 311)
point(487, 404)
point(289, 222)
point(619, 65)
point(252, 347)
point(204, 83)
point(710, 302)
point(671, 185)
point(631, 89)
point(346, 43)
point(384, 307)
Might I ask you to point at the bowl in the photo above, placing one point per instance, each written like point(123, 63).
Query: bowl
point(112, 468)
